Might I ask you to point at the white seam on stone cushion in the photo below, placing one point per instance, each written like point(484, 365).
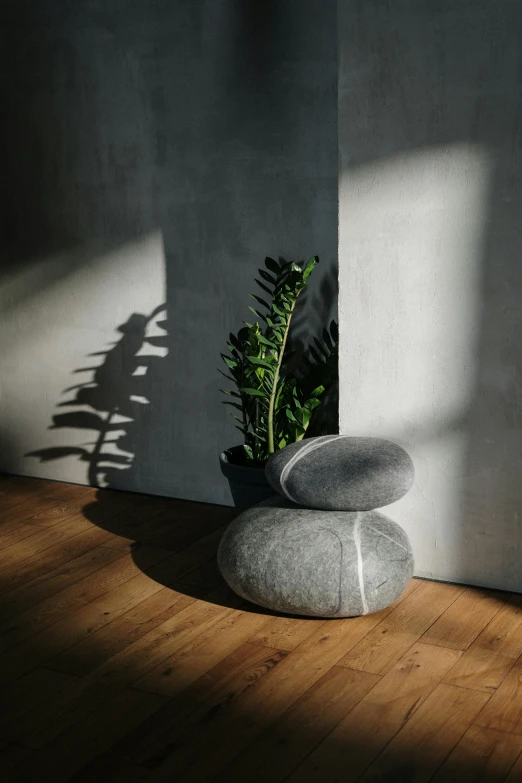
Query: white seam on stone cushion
point(311, 446)
point(357, 542)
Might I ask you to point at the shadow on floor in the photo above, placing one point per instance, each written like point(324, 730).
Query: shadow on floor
point(174, 542)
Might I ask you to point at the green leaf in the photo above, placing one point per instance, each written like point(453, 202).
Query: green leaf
point(272, 265)
point(233, 351)
point(265, 341)
point(259, 315)
point(310, 266)
point(229, 362)
point(231, 393)
point(279, 312)
point(261, 362)
point(289, 415)
point(306, 414)
point(253, 392)
point(298, 415)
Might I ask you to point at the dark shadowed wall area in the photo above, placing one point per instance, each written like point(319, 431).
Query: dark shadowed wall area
point(430, 128)
point(154, 153)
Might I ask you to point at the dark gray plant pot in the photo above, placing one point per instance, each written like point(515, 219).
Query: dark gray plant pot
point(248, 486)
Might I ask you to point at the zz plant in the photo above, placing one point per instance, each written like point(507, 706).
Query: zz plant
point(274, 398)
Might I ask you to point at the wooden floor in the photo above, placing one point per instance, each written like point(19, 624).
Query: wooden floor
point(125, 658)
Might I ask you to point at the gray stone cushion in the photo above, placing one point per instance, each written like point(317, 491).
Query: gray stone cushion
point(317, 563)
point(340, 472)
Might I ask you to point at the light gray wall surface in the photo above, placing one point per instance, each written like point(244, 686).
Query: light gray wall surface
point(155, 153)
point(430, 128)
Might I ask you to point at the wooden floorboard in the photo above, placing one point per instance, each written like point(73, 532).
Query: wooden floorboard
point(488, 660)
point(369, 727)
point(481, 754)
point(124, 657)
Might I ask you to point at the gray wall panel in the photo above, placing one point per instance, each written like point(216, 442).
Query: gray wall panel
point(156, 152)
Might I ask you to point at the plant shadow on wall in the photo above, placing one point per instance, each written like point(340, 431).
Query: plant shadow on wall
point(310, 342)
point(114, 402)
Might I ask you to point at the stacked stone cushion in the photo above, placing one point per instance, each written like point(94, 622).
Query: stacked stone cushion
point(327, 564)
point(340, 472)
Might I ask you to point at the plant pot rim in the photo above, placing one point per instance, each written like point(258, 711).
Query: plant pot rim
point(224, 458)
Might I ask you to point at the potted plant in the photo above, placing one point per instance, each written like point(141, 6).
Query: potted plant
point(274, 396)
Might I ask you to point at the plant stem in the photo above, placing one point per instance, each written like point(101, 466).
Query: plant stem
point(271, 447)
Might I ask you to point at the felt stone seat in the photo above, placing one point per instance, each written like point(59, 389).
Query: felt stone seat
point(340, 472)
point(318, 563)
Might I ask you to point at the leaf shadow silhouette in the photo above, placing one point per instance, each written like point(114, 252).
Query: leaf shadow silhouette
point(311, 344)
point(110, 403)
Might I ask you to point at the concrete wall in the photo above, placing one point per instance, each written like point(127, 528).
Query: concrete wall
point(430, 127)
point(155, 153)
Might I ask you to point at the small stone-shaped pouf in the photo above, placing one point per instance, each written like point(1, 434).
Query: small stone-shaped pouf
point(319, 563)
point(340, 472)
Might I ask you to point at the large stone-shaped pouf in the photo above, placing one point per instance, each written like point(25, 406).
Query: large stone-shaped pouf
point(318, 563)
point(341, 472)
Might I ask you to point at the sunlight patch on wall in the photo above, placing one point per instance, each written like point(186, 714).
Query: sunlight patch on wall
point(55, 334)
point(412, 230)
